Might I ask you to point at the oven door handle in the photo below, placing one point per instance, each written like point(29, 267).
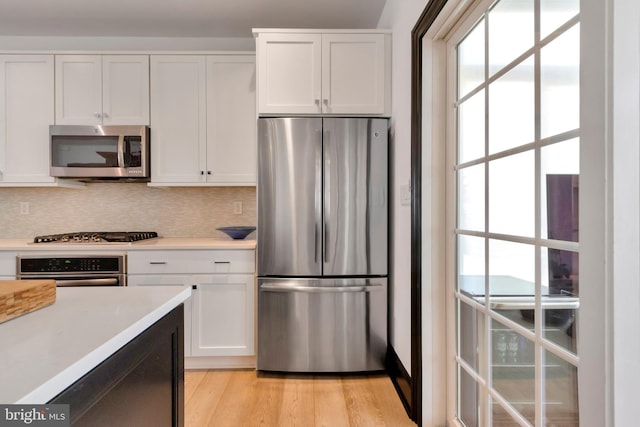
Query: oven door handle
point(88, 282)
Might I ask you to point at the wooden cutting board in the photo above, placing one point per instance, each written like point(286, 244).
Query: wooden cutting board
point(18, 297)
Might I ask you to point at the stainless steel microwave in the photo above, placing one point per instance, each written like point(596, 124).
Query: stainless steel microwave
point(100, 152)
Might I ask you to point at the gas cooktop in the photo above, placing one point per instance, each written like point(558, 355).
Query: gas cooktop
point(97, 237)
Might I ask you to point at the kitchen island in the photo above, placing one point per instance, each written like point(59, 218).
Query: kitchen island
point(46, 352)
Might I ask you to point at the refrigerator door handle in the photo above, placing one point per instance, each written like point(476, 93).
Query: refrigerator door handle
point(320, 289)
point(318, 197)
point(327, 191)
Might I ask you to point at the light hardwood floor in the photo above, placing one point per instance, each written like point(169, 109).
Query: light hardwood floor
point(236, 398)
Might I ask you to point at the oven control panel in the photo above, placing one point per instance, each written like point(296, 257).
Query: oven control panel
point(82, 264)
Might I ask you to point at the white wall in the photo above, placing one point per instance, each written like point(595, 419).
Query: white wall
point(400, 16)
point(609, 371)
point(626, 210)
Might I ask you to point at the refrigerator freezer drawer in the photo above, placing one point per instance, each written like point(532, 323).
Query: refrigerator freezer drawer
point(322, 325)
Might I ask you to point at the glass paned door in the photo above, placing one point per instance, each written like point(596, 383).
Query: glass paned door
point(517, 170)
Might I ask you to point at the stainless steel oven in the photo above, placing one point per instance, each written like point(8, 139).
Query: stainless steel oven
point(74, 270)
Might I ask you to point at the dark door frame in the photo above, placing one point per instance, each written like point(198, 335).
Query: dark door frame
point(428, 17)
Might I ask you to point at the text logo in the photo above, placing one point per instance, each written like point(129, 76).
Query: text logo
point(54, 415)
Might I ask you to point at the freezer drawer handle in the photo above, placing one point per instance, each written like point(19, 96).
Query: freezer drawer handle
point(320, 289)
point(157, 262)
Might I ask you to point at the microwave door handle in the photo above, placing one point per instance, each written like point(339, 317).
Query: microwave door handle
point(121, 151)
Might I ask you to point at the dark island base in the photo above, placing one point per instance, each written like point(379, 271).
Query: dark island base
point(142, 384)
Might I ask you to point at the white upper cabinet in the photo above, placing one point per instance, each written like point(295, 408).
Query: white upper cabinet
point(289, 73)
point(102, 89)
point(125, 89)
point(26, 111)
point(353, 73)
point(178, 118)
point(203, 120)
point(329, 73)
point(231, 119)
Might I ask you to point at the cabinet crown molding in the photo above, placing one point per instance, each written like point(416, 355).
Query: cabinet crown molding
point(257, 31)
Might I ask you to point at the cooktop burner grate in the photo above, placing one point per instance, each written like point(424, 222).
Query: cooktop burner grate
point(97, 237)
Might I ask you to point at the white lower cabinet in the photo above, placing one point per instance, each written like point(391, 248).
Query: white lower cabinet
point(220, 316)
point(8, 265)
point(169, 280)
point(223, 315)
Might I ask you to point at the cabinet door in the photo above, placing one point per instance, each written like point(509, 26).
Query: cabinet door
point(78, 89)
point(178, 119)
point(353, 73)
point(231, 120)
point(223, 315)
point(26, 111)
point(8, 264)
point(289, 79)
point(169, 280)
point(125, 89)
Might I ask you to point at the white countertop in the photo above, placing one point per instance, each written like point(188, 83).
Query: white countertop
point(44, 352)
point(160, 243)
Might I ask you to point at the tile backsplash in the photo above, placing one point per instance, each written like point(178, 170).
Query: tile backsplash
point(171, 211)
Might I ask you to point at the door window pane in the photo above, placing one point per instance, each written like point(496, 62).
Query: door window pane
point(471, 60)
point(500, 417)
point(511, 269)
point(512, 108)
point(559, 187)
point(471, 259)
point(511, 32)
point(560, 84)
point(561, 392)
point(512, 195)
point(513, 369)
point(468, 399)
point(471, 198)
point(554, 13)
point(472, 322)
point(561, 306)
point(471, 140)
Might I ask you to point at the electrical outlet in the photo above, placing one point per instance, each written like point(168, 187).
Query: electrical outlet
point(24, 208)
point(237, 207)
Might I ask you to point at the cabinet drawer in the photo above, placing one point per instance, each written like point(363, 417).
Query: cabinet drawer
point(191, 261)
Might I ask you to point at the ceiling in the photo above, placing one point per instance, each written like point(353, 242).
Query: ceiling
point(180, 18)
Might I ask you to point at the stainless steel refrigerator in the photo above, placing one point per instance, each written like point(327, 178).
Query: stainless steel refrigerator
point(322, 244)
